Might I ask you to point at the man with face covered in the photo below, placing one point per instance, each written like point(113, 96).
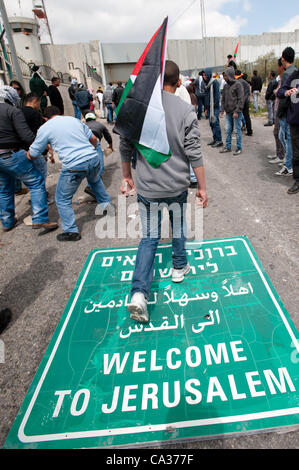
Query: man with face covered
point(233, 104)
point(211, 104)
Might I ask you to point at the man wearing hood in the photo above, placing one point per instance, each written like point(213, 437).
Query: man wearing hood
point(15, 138)
point(211, 104)
point(83, 99)
point(232, 104)
point(38, 85)
point(72, 91)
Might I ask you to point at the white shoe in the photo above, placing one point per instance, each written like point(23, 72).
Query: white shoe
point(178, 275)
point(284, 172)
point(276, 160)
point(138, 308)
point(271, 157)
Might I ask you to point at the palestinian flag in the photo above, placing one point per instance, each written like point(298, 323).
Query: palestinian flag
point(236, 51)
point(140, 113)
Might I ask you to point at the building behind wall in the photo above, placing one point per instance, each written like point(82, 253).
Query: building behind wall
point(95, 63)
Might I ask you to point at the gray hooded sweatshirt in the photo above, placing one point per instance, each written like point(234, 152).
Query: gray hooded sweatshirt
point(233, 94)
point(173, 177)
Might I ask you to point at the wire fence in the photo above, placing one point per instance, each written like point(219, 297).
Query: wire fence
point(46, 71)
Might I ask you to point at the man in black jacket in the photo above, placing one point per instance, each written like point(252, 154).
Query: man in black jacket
point(83, 99)
point(55, 96)
point(270, 98)
point(246, 88)
point(290, 90)
point(15, 138)
point(117, 94)
point(256, 88)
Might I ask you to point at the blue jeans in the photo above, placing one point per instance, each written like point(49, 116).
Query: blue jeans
point(232, 123)
point(215, 126)
point(77, 110)
point(151, 218)
point(68, 183)
point(255, 100)
point(285, 137)
point(110, 112)
point(101, 158)
point(270, 108)
point(200, 101)
point(18, 185)
point(41, 165)
point(17, 165)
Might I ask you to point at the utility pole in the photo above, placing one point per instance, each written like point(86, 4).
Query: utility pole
point(203, 31)
point(11, 43)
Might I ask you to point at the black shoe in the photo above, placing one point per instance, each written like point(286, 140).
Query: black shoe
point(294, 189)
point(217, 145)
point(69, 237)
point(250, 134)
point(193, 185)
point(268, 124)
point(212, 143)
point(5, 317)
point(90, 192)
point(5, 229)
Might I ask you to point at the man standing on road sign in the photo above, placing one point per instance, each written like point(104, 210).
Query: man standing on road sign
point(167, 183)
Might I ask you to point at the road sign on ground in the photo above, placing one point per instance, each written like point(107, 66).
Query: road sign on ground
point(220, 355)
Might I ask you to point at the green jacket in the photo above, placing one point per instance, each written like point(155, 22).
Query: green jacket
point(38, 86)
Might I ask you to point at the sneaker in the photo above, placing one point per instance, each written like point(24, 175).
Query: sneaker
point(284, 172)
point(276, 160)
point(138, 308)
point(217, 145)
point(178, 275)
point(50, 226)
point(225, 150)
point(268, 124)
point(212, 143)
point(68, 237)
point(271, 157)
point(237, 152)
point(294, 189)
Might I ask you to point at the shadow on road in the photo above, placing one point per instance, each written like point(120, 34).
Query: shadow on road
point(28, 285)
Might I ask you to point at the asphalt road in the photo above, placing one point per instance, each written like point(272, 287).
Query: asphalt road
point(38, 274)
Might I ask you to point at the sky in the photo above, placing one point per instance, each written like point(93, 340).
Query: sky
point(74, 21)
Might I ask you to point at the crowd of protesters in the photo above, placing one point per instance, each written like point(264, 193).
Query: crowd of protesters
point(32, 129)
point(230, 94)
